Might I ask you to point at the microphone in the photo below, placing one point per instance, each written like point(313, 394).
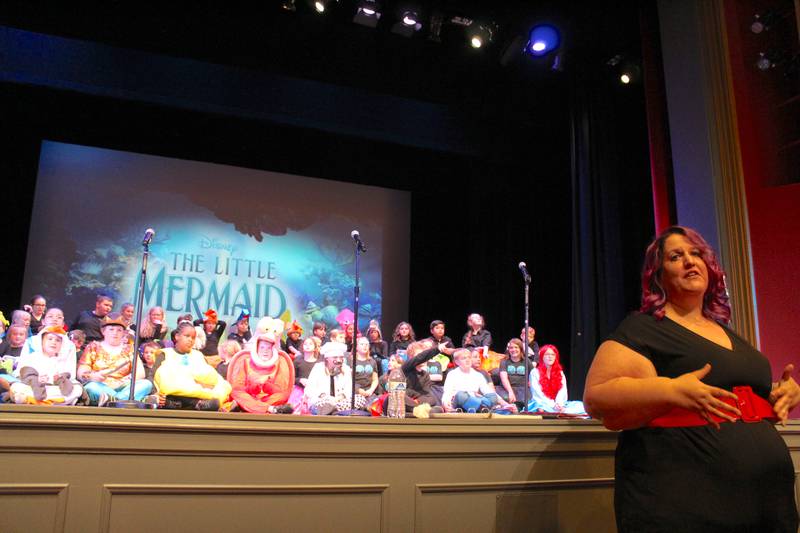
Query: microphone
point(357, 237)
point(148, 236)
point(524, 269)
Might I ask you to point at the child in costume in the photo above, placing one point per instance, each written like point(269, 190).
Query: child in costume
point(330, 385)
point(44, 377)
point(303, 366)
point(213, 328)
point(105, 366)
point(185, 379)
point(262, 376)
point(241, 328)
point(293, 344)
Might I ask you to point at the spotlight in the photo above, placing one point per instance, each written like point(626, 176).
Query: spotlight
point(764, 62)
point(410, 18)
point(542, 40)
point(368, 13)
point(288, 5)
point(773, 58)
point(408, 24)
point(763, 22)
point(629, 73)
point(480, 35)
point(320, 6)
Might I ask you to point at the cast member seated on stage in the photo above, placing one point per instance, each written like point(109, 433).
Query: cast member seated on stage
point(293, 344)
point(36, 309)
point(337, 335)
point(465, 388)
point(329, 385)
point(378, 348)
point(262, 376)
point(477, 335)
point(213, 329)
point(438, 337)
point(366, 370)
point(227, 349)
point(549, 385)
point(476, 364)
point(78, 339)
point(319, 330)
point(423, 376)
point(154, 326)
point(533, 346)
point(241, 328)
point(22, 318)
point(148, 352)
point(302, 369)
point(403, 336)
point(303, 365)
point(45, 376)
point(105, 366)
point(126, 312)
point(53, 318)
point(14, 341)
point(185, 380)
point(512, 374)
point(90, 321)
point(349, 333)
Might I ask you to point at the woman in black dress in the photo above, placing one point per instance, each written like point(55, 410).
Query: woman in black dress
point(698, 450)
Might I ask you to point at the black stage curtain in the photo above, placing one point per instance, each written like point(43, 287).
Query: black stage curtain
point(612, 217)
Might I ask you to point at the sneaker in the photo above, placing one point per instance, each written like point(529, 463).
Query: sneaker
point(326, 409)
point(103, 399)
point(151, 400)
point(171, 403)
point(207, 405)
point(284, 409)
point(20, 397)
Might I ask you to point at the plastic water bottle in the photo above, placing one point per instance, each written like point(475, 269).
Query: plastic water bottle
point(396, 407)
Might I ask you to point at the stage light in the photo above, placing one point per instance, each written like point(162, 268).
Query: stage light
point(368, 13)
point(410, 18)
point(629, 73)
point(289, 5)
point(408, 24)
point(480, 35)
point(764, 62)
point(763, 22)
point(320, 6)
point(542, 40)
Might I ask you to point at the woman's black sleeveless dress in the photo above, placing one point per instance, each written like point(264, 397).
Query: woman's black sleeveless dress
point(738, 478)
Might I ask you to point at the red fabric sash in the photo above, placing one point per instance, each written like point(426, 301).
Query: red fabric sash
point(754, 408)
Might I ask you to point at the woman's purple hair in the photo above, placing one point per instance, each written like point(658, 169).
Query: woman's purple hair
point(654, 297)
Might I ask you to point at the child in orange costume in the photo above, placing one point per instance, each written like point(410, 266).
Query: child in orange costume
point(262, 375)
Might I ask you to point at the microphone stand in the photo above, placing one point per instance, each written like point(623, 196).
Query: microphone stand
point(131, 403)
point(356, 295)
point(527, 281)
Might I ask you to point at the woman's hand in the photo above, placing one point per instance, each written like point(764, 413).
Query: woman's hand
point(785, 394)
point(691, 393)
point(512, 397)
